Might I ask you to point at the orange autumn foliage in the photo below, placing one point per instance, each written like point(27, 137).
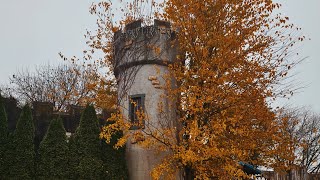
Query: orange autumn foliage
point(233, 55)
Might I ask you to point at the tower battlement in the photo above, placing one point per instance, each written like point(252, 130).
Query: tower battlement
point(139, 45)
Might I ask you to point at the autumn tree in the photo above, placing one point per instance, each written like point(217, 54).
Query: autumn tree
point(236, 53)
point(53, 153)
point(23, 147)
point(233, 56)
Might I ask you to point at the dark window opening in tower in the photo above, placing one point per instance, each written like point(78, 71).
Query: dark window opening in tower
point(136, 107)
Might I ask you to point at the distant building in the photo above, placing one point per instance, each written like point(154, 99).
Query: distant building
point(43, 113)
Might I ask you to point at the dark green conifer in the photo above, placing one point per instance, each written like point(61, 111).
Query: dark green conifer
point(53, 152)
point(73, 159)
point(87, 134)
point(23, 143)
point(89, 165)
point(114, 162)
point(91, 158)
point(3, 139)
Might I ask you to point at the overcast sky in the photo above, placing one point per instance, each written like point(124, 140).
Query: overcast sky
point(33, 32)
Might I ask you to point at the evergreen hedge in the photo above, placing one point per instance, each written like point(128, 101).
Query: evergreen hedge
point(53, 153)
point(23, 143)
point(115, 166)
point(3, 140)
point(86, 139)
point(82, 156)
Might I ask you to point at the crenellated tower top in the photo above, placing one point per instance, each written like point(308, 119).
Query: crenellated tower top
point(136, 45)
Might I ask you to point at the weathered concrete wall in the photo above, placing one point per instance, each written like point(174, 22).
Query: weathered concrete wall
point(141, 58)
point(153, 92)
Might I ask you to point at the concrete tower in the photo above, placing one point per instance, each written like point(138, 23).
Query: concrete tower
point(141, 58)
